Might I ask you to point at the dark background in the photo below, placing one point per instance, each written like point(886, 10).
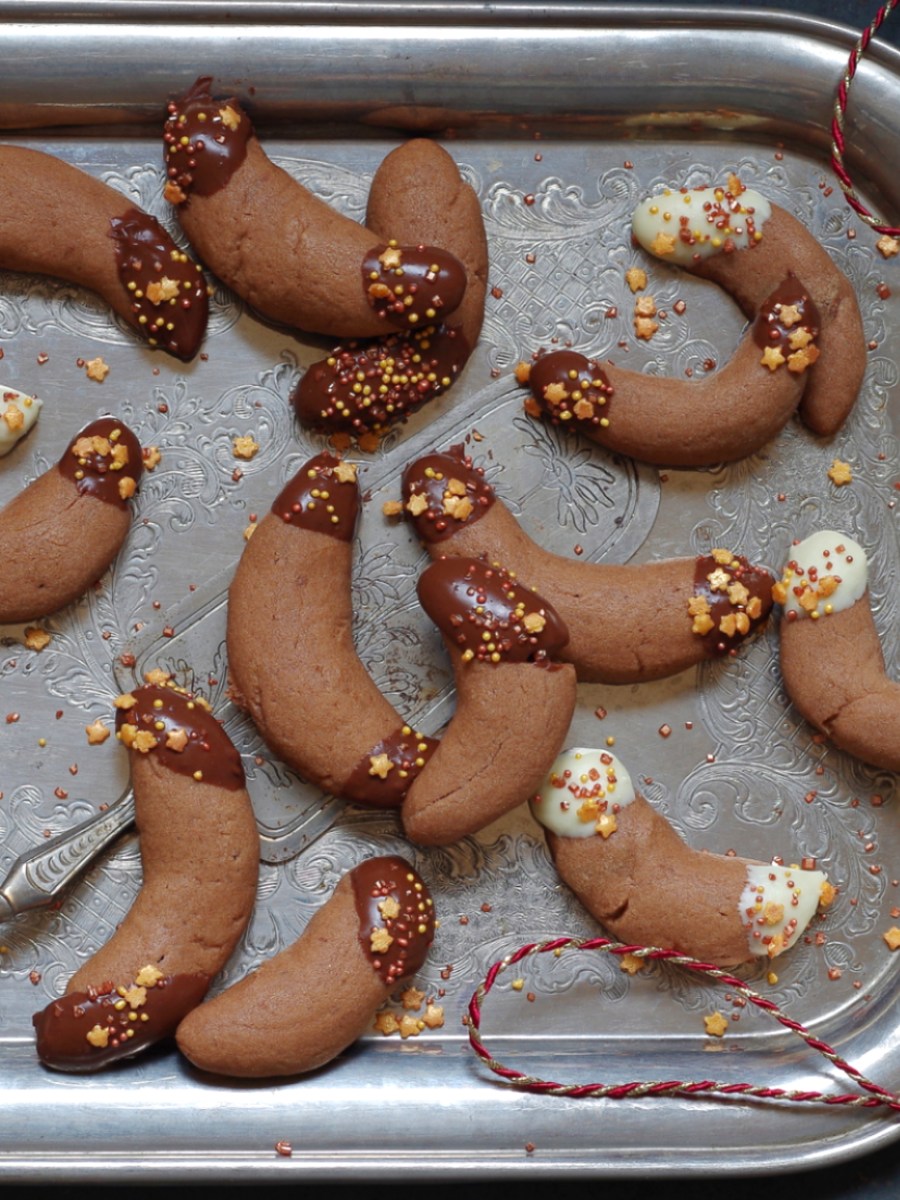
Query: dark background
point(875, 1177)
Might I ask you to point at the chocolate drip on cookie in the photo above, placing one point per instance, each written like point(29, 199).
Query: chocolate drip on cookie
point(180, 729)
point(205, 142)
point(366, 387)
point(489, 616)
point(396, 916)
point(104, 460)
point(787, 326)
point(84, 1031)
point(169, 297)
point(384, 775)
point(731, 600)
point(323, 497)
point(442, 492)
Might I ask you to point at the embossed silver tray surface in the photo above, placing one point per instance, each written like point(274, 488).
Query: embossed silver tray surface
point(562, 118)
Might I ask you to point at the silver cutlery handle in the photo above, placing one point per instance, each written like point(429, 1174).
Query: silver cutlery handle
point(37, 877)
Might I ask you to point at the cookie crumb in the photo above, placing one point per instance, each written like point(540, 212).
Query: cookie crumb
point(888, 246)
point(892, 938)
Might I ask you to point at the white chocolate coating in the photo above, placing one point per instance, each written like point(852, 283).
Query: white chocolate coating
point(18, 412)
point(582, 790)
point(682, 226)
point(826, 573)
point(777, 904)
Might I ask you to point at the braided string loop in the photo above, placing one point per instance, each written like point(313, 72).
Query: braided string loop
point(870, 1095)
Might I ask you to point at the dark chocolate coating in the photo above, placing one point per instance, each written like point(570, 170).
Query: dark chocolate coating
point(413, 285)
point(318, 500)
point(71, 1031)
point(96, 469)
point(390, 897)
point(205, 752)
point(487, 614)
point(169, 295)
point(397, 374)
point(406, 751)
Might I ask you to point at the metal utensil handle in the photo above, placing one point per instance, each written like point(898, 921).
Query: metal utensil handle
point(38, 876)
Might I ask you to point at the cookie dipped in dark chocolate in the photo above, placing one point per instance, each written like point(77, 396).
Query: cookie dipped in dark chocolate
point(488, 615)
point(100, 457)
point(182, 732)
point(694, 421)
point(514, 702)
point(396, 917)
point(292, 659)
point(86, 1031)
point(323, 497)
point(168, 292)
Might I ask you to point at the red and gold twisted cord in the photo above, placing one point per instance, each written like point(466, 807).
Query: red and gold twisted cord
point(838, 143)
point(871, 1094)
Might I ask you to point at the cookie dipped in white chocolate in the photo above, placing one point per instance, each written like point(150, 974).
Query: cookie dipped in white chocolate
point(18, 412)
point(684, 225)
point(635, 875)
point(832, 664)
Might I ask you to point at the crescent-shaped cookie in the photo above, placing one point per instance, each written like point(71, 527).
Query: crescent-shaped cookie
point(646, 886)
point(60, 221)
point(832, 664)
point(514, 701)
point(804, 348)
point(200, 859)
point(626, 623)
point(292, 660)
point(303, 1007)
point(290, 255)
point(59, 535)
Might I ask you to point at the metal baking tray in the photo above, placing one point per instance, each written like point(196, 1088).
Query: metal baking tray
point(562, 117)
